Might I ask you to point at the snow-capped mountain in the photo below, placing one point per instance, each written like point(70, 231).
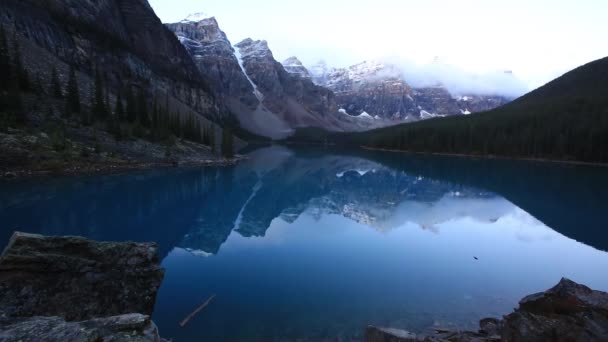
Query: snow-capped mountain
point(214, 55)
point(265, 96)
point(273, 99)
point(381, 90)
point(196, 17)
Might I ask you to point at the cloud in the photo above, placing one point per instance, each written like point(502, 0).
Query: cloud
point(458, 81)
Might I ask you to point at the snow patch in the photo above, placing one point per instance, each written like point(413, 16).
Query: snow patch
point(426, 115)
point(256, 92)
point(198, 252)
point(361, 172)
point(196, 17)
point(189, 42)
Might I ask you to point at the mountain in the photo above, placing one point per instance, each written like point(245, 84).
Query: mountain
point(566, 119)
point(381, 89)
point(124, 38)
point(214, 55)
point(295, 67)
point(99, 75)
point(268, 98)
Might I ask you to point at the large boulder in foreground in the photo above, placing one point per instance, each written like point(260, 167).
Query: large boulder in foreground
point(77, 279)
point(123, 328)
point(566, 312)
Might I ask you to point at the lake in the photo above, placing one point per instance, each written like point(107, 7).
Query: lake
point(313, 244)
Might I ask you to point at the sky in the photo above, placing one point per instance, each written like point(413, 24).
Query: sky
point(536, 39)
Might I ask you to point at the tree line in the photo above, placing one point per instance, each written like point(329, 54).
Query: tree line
point(13, 82)
point(567, 119)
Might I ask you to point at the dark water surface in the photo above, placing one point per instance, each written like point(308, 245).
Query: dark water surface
point(314, 245)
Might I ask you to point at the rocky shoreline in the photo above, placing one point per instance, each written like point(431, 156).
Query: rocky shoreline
point(566, 312)
point(74, 289)
point(29, 155)
point(103, 168)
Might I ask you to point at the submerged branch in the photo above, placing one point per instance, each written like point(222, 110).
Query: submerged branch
point(195, 312)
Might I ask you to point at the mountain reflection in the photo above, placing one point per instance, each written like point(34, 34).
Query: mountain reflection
point(197, 210)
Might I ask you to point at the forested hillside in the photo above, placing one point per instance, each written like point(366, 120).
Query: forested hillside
point(567, 119)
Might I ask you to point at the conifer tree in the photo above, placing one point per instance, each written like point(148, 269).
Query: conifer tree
point(119, 110)
point(199, 133)
point(131, 110)
point(55, 84)
point(211, 133)
point(73, 95)
point(5, 61)
point(142, 109)
point(227, 143)
point(100, 111)
point(113, 126)
point(21, 74)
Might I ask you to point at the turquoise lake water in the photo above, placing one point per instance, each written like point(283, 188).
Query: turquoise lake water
point(313, 244)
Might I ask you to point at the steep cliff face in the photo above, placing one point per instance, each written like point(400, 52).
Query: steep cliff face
point(381, 90)
point(122, 38)
point(300, 102)
point(215, 57)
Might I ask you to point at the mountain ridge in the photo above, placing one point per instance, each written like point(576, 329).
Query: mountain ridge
point(283, 101)
point(566, 119)
point(382, 89)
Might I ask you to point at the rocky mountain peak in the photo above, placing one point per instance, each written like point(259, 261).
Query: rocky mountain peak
point(295, 67)
point(215, 57)
point(267, 97)
point(320, 72)
point(359, 87)
point(250, 48)
point(206, 30)
point(196, 17)
point(293, 60)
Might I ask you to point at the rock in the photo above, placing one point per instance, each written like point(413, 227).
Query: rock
point(376, 334)
point(490, 326)
point(123, 328)
point(77, 279)
point(567, 312)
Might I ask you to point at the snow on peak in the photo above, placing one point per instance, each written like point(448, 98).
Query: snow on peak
point(293, 66)
point(426, 115)
point(365, 115)
point(254, 48)
point(292, 61)
point(196, 17)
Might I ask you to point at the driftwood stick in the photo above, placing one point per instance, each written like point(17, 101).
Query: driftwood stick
point(195, 312)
